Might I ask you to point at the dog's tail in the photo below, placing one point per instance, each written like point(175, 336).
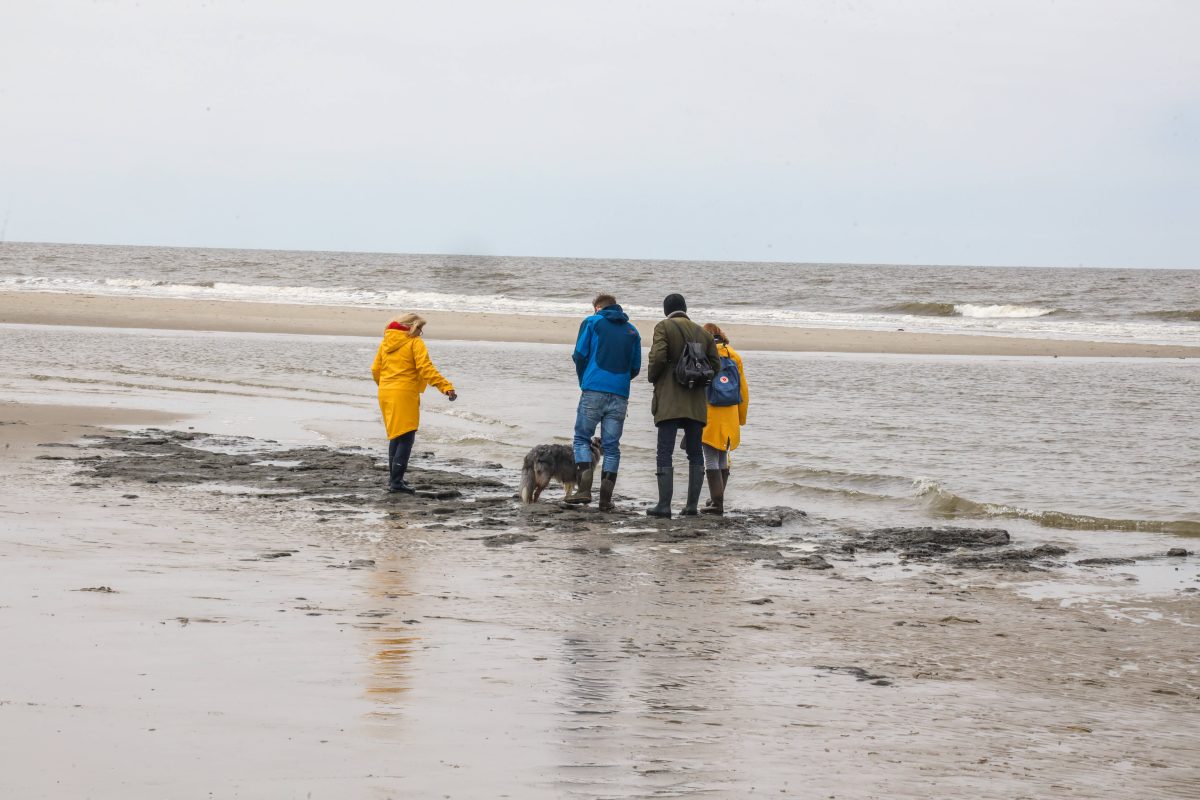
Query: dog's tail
point(527, 484)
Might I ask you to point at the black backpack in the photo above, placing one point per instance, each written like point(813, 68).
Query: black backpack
point(693, 367)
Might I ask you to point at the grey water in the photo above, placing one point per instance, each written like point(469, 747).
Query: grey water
point(1133, 305)
point(1041, 446)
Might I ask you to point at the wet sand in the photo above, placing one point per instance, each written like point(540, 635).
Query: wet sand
point(207, 315)
point(195, 615)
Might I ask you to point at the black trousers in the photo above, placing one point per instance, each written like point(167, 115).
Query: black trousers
point(668, 431)
point(399, 451)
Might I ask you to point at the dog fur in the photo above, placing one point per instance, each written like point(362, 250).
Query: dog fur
point(548, 462)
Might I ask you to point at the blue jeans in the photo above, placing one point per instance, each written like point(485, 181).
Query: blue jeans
point(608, 411)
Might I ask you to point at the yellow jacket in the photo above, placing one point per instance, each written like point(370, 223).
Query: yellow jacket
point(402, 370)
point(724, 428)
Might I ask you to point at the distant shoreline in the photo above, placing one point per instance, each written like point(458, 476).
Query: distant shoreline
point(49, 308)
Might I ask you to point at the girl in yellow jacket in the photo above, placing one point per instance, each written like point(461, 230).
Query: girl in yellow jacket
point(402, 370)
point(723, 431)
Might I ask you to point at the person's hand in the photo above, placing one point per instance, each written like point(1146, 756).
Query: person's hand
point(452, 395)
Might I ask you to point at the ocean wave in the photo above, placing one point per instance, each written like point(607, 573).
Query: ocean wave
point(1180, 315)
point(971, 310)
point(771, 484)
point(1005, 311)
point(1004, 320)
point(923, 309)
point(807, 477)
point(941, 502)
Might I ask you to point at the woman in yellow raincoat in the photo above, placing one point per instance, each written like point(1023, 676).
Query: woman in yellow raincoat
point(402, 370)
point(723, 432)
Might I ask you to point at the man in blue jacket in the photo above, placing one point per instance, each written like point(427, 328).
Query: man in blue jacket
point(608, 355)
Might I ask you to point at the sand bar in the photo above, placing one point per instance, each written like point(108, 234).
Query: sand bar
point(25, 425)
point(48, 308)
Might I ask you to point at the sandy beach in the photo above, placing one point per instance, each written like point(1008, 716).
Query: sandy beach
point(48, 308)
point(211, 597)
point(941, 541)
point(220, 617)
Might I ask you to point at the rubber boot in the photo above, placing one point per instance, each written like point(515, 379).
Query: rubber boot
point(399, 451)
point(695, 481)
point(666, 486)
point(608, 481)
point(724, 483)
point(584, 470)
point(716, 493)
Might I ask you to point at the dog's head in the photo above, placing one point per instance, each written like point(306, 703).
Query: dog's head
point(596, 448)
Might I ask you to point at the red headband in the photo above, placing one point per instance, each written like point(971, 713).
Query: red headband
point(396, 326)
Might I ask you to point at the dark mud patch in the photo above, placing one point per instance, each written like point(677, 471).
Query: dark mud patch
point(859, 674)
point(919, 543)
point(1106, 562)
point(979, 548)
point(330, 484)
point(501, 539)
point(813, 561)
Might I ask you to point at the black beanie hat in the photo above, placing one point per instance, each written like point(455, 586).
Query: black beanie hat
point(673, 303)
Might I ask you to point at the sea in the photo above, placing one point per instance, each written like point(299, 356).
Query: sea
point(1047, 448)
point(1127, 305)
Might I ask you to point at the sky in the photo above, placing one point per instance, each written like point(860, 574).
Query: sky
point(1022, 132)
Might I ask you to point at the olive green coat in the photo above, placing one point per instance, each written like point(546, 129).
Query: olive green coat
point(672, 400)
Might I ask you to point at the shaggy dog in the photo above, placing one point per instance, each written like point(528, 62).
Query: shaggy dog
point(548, 462)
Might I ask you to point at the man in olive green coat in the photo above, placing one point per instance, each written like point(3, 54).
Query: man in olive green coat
point(677, 406)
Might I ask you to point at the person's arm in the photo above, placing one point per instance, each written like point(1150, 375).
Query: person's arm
point(659, 352)
point(377, 365)
point(428, 371)
point(744, 406)
point(636, 362)
point(583, 349)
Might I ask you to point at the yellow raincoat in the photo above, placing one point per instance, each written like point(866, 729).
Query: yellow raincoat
point(402, 370)
point(724, 428)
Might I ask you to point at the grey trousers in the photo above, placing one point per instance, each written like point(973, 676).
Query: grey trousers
point(715, 459)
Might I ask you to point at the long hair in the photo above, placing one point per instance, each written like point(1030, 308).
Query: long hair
point(717, 333)
point(415, 322)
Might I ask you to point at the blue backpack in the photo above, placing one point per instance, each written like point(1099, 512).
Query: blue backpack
point(726, 386)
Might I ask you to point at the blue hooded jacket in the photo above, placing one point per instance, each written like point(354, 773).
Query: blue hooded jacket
point(608, 352)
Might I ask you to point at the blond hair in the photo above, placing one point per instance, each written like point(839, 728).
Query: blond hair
point(415, 322)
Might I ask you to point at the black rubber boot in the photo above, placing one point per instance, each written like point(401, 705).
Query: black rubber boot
point(584, 470)
point(716, 493)
point(608, 481)
point(399, 451)
point(666, 486)
point(695, 481)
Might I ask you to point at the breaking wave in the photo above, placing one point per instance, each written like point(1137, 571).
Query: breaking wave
point(1003, 311)
point(965, 318)
point(1177, 315)
point(924, 309)
point(972, 310)
point(940, 502)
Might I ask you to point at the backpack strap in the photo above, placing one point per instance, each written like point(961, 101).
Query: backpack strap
point(683, 331)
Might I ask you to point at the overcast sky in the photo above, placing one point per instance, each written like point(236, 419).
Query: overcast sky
point(899, 131)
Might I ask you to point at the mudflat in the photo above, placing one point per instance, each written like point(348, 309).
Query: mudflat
point(187, 614)
point(48, 308)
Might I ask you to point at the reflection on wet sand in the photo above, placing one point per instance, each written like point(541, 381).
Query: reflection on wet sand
point(390, 647)
point(642, 666)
